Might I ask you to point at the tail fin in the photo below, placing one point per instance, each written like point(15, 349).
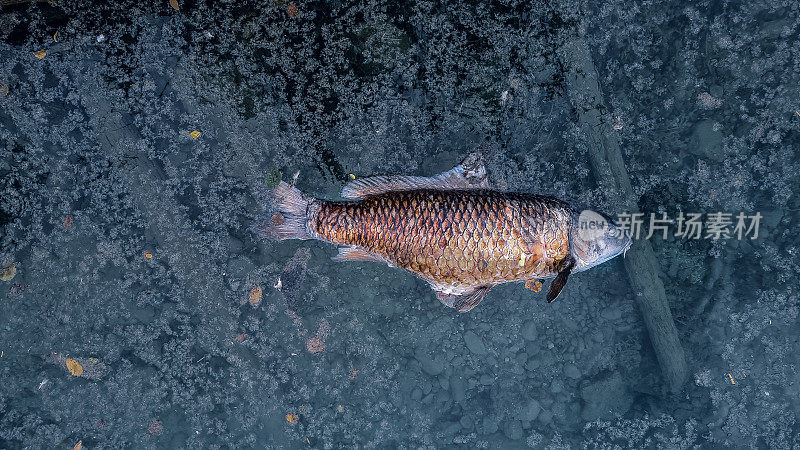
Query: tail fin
point(286, 215)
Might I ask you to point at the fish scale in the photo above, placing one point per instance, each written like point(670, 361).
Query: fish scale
point(457, 238)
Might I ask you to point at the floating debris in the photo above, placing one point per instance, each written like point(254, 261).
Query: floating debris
point(78, 446)
point(255, 295)
point(90, 368)
point(55, 36)
point(292, 418)
point(292, 10)
point(9, 272)
point(3, 90)
point(40, 54)
point(67, 222)
point(74, 367)
point(195, 134)
point(148, 255)
point(175, 5)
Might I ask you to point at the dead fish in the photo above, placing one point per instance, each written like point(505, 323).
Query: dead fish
point(453, 230)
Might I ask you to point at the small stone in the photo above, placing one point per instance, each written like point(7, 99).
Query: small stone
point(532, 364)
point(572, 371)
point(529, 331)
point(431, 365)
point(513, 430)
point(530, 411)
point(474, 343)
point(458, 388)
point(606, 398)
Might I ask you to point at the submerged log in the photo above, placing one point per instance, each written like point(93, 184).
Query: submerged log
point(608, 168)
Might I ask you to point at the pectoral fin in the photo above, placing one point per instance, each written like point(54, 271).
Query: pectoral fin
point(464, 302)
point(561, 279)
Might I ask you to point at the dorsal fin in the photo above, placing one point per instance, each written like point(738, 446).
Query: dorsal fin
point(470, 174)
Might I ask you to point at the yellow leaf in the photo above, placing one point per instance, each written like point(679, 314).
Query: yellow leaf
point(74, 367)
point(148, 255)
point(255, 295)
point(195, 134)
point(78, 446)
point(175, 5)
point(40, 54)
point(352, 177)
point(55, 36)
point(292, 418)
point(8, 272)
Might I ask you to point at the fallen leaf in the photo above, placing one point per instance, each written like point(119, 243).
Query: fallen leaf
point(74, 367)
point(40, 54)
point(9, 272)
point(255, 295)
point(175, 5)
point(292, 418)
point(55, 36)
point(3, 90)
point(67, 222)
point(195, 134)
point(291, 10)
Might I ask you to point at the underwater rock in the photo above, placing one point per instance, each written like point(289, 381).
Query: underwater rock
point(530, 410)
point(606, 398)
point(474, 343)
point(529, 331)
point(707, 141)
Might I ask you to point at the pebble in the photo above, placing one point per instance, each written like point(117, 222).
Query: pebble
point(529, 331)
point(474, 343)
point(513, 430)
point(572, 371)
point(489, 424)
point(458, 388)
point(431, 365)
point(530, 410)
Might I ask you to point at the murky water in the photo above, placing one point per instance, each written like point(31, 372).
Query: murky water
point(137, 309)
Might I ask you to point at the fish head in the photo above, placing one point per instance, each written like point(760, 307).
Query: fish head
point(595, 238)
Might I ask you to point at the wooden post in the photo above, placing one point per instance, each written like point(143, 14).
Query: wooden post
point(609, 170)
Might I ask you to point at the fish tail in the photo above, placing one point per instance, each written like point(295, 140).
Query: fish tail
point(287, 214)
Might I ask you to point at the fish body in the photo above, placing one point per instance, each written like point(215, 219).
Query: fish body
point(452, 230)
